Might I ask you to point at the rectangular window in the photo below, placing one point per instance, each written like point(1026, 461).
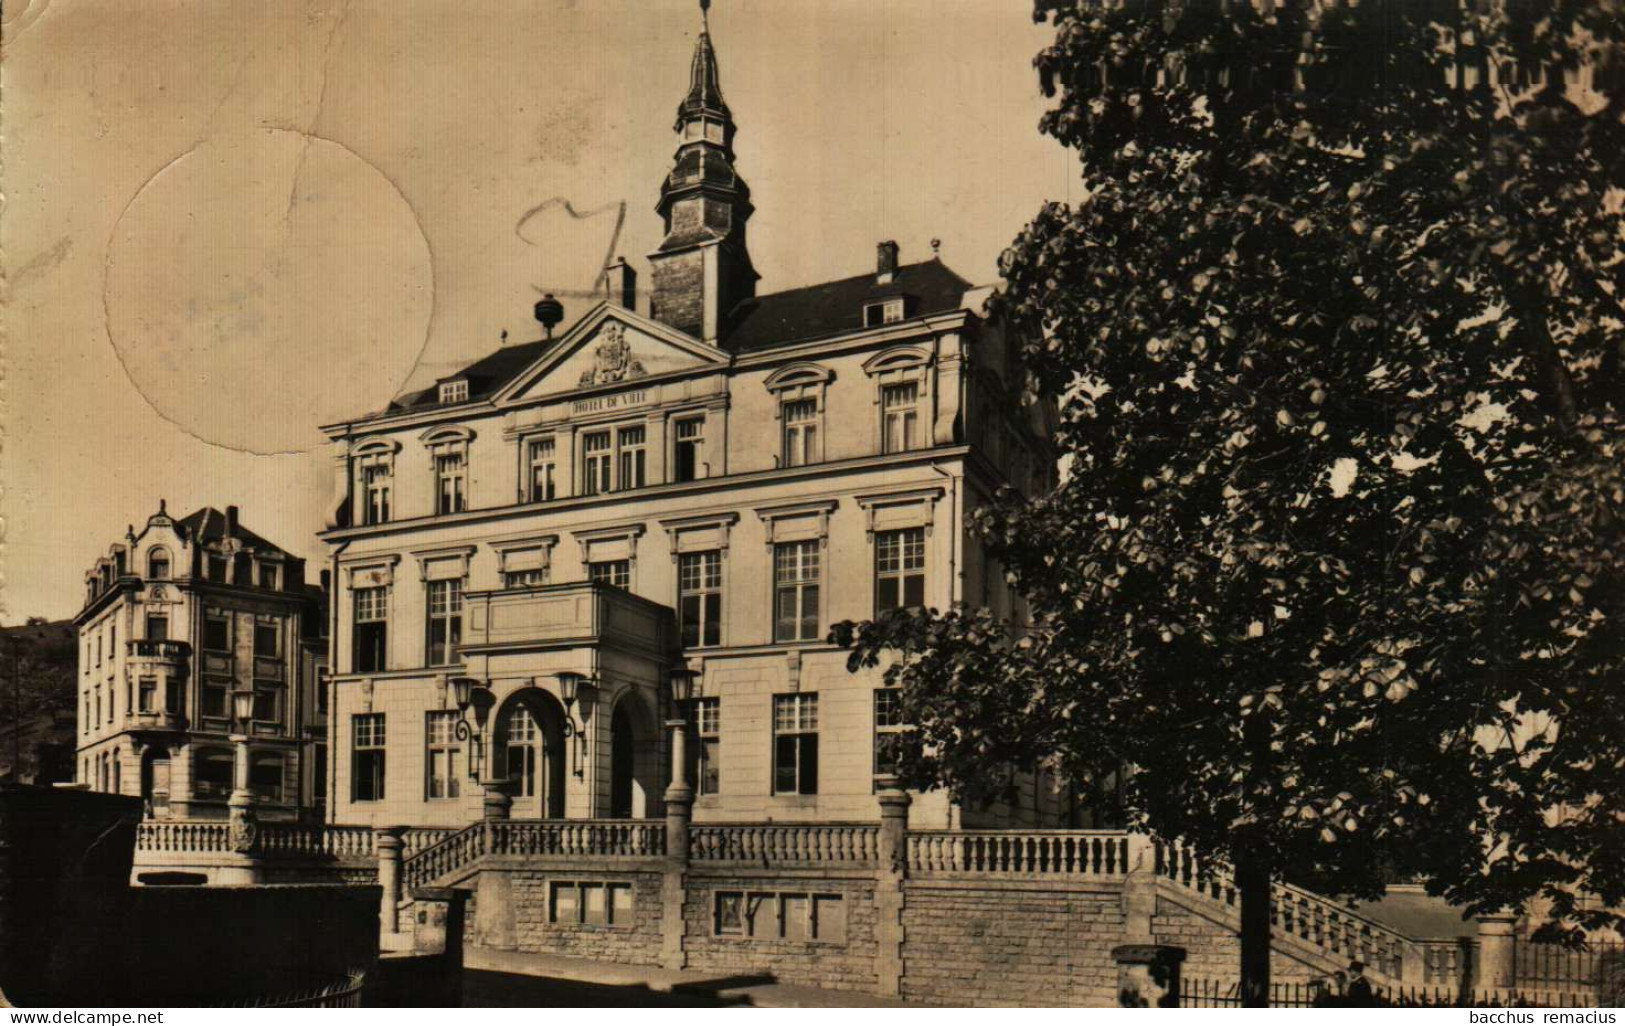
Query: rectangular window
point(219, 568)
point(688, 451)
point(318, 785)
point(451, 483)
point(634, 457)
point(795, 584)
point(149, 694)
point(445, 621)
point(899, 417)
point(524, 578)
point(708, 731)
point(699, 598)
point(597, 460)
point(267, 641)
point(590, 904)
point(217, 634)
point(443, 755)
point(367, 758)
point(800, 432)
point(268, 702)
point(888, 311)
point(157, 630)
point(888, 725)
point(371, 629)
point(611, 571)
point(375, 486)
point(265, 777)
point(899, 569)
point(454, 391)
point(268, 576)
point(543, 471)
point(795, 744)
point(174, 695)
point(216, 698)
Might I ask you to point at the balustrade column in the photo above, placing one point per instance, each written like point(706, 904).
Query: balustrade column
point(673, 888)
point(892, 868)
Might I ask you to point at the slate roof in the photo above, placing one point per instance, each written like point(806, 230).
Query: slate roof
point(209, 524)
point(765, 322)
point(835, 307)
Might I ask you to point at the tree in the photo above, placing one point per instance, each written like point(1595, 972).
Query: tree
point(1337, 348)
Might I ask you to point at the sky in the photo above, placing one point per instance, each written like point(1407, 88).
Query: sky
point(225, 224)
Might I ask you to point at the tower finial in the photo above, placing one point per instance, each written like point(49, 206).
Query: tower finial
point(705, 21)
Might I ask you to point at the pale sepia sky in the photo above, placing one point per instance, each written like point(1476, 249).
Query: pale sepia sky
point(227, 223)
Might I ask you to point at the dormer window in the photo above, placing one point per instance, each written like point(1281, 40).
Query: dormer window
point(454, 391)
point(886, 311)
point(158, 564)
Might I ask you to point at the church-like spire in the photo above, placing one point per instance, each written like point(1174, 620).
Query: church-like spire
point(702, 269)
point(704, 86)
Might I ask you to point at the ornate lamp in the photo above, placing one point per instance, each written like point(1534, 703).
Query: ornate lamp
point(682, 690)
point(470, 691)
point(576, 688)
point(682, 684)
point(242, 708)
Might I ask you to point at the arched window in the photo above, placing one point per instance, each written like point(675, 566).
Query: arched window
point(158, 564)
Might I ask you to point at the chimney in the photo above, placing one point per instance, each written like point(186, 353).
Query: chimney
point(231, 521)
point(621, 284)
point(886, 262)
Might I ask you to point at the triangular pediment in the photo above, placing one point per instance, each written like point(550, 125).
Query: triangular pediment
point(611, 346)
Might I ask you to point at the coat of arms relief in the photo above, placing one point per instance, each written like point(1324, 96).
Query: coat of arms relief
point(612, 359)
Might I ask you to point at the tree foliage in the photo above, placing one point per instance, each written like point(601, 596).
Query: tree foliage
point(1337, 348)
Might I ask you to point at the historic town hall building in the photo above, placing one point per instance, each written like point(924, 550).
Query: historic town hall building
point(523, 553)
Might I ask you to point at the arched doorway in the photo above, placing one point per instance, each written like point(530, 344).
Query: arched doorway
point(155, 780)
point(530, 753)
point(634, 760)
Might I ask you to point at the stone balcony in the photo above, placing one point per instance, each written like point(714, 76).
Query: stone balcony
point(158, 657)
point(560, 616)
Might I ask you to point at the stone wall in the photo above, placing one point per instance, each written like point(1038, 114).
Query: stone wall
point(539, 927)
point(840, 955)
point(984, 942)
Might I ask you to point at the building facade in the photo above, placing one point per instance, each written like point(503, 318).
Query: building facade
point(176, 618)
point(708, 484)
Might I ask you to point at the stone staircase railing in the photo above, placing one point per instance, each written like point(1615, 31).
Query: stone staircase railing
point(770, 844)
point(460, 849)
point(1029, 852)
point(316, 840)
point(1325, 925)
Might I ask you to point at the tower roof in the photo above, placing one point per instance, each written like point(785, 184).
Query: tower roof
point(704, 83)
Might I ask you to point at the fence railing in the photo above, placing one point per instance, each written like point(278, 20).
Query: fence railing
point(850, 844)
point(345, 993)
point(1599, 966)
point(1035, 852)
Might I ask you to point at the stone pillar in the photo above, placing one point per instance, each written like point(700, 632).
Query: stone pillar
point(244, 831)
point(674, 882)
point(498, 804)
point(437, 929)
point(1497, 935)
point(387, 842)
point(889, 884)
point(1148, 975)
point(1140, 892)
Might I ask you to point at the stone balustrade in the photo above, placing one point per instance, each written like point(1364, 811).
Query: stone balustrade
point(183, 836)
point(633, 837)
point(789, 844)
point(1028, 852)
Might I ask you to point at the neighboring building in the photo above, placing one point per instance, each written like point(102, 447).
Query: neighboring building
point(176, 618)
point(38, 669)
point(713, 484)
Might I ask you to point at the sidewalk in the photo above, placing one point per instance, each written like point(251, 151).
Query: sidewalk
point(708, 988)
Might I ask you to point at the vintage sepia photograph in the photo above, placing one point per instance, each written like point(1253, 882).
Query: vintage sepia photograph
point(837, 504)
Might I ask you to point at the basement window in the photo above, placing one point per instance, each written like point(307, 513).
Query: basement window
point(791, 916)
point(590, 904)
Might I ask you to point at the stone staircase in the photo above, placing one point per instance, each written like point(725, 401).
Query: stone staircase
point(456, 857)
